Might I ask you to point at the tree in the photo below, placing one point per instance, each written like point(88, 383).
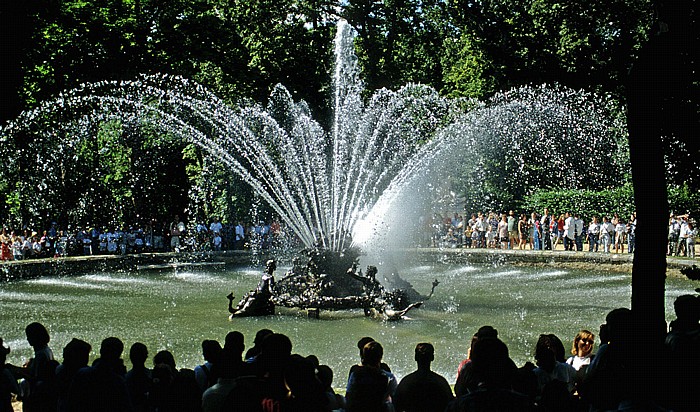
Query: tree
point(400, 41)
point(581, 44)
point(659, 85)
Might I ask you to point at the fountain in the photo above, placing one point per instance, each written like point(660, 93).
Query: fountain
point(382, 162)
point(376, 175)
point(333, 189)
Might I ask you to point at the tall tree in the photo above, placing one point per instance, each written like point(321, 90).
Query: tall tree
point(581, 44)
point(661, 83)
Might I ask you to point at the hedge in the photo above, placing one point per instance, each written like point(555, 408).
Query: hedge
point(607, 202)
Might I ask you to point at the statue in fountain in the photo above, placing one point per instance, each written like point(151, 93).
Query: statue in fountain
point(257, 302)
point(323, 284)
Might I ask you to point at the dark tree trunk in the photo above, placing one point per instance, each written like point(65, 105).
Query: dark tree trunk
point(658, 83)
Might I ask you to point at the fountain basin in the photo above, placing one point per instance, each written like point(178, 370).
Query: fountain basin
point(178, 308)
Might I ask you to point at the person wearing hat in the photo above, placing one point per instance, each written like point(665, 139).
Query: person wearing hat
point(8, 383)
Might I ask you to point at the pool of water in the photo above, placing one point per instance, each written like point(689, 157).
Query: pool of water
point(177, 309)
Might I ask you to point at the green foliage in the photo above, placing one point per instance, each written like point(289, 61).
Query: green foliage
point(241, 48)
point(471, 74)
point(588, 203)
point(683, 199)
point(399, 41)
point(608, 202)
point(581, 44)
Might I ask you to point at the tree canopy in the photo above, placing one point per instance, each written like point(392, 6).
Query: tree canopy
point(240, 49)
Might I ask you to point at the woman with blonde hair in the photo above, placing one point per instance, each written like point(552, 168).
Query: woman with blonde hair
point(582, 350)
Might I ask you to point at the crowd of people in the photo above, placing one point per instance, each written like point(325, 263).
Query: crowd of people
point(547, 231)
point(270, 378)
point(174, 236)
point(481, 230)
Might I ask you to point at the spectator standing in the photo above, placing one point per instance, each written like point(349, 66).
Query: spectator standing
point(692, 234)
point(631, 233)
point(38, 387)
point(102, 387)
point(215, 226)
point(482, 227)
point(674, 231)
point(368, 388)
point(216, 241)
point(205, 374)
point(533, 232)
point(423, 390)
point(176, 229)
point(683, 237)
point(493, 231)
point(578, 232)
point(139, 380)
point(593, 234)
point(557, 231)
point(607, 230)
point(569, 231)
point(27, 247)
point(503, 232)
point(512, 230)
point(582, 354)
point(494, 372)
point(75, 357)
point(5, 245)
point(8, 383)
point(522, 231)
point(545, 227)
point(239, 235)
point(620, 231)
point(17, 248)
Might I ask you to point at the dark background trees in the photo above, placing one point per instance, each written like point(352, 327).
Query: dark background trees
point(241, 48)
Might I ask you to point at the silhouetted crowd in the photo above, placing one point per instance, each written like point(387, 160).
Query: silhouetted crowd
point(270, 378)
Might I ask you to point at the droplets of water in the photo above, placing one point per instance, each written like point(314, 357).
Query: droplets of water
point(450, 304)
point(378, 167)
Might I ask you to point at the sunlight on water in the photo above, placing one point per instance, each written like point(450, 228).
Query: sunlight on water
point(118, 280)
point(63, 282)
point(177, 310)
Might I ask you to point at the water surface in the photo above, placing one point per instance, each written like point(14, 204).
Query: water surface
point(177, 309)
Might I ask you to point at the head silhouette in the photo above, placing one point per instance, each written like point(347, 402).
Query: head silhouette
point(37, 335)
point(372, 354)
point(138, 353)
point(111, 348)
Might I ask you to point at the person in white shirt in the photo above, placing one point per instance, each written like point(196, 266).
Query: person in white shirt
point(620, 231)
point(240, 236)
point(569, 232)
point(607, 230)
point(582, 350)
point(593, 234)
point(27, 247)
point(674, 229)
point(215, 226)
point(683, 237)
